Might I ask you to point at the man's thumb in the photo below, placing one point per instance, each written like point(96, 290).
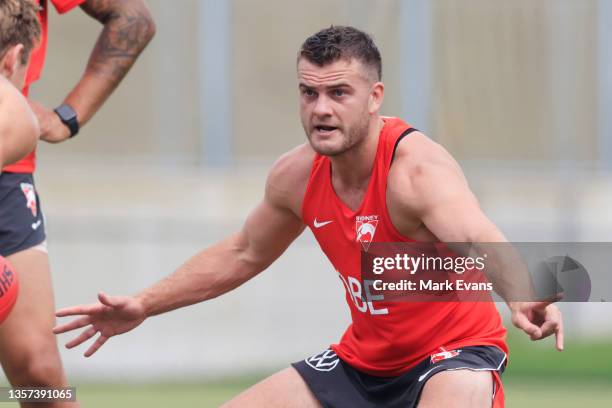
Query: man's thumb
point(112, 301)
point(521, 321)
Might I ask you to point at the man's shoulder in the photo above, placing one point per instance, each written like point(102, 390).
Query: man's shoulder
point(419, 169)
point(293, 166)
point(10, 95)
point(417, 155)
point(289, 176)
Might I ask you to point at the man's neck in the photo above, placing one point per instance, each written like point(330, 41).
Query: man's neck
point(354, 168)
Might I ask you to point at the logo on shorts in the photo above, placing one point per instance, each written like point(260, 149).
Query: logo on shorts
point(325, 361)
point(443, 355)
point(30, 195)
point(366, 228)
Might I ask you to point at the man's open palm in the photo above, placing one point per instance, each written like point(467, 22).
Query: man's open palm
point(111, 316)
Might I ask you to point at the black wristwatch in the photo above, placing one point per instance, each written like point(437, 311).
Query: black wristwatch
point(68, 117)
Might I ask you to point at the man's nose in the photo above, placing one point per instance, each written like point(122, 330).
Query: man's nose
point(322, 106)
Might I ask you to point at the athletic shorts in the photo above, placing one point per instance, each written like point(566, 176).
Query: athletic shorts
point(338, 385)
point(22, 224)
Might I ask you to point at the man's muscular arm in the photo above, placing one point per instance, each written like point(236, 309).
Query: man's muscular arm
point(427, 184)
point(267, 232)
point(128, 28)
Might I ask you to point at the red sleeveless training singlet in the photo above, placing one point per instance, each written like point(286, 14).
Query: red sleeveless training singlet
point(386, 338)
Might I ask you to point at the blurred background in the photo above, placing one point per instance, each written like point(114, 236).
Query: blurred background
point(520, 92)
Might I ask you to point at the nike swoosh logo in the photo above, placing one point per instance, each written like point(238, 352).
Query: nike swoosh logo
point(321, 224)
point(36, 224)
point(421, 378)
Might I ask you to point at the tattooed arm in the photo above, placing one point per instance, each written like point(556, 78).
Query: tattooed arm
point(128, 28)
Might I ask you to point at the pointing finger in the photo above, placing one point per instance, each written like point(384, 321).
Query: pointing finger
point(559, 336)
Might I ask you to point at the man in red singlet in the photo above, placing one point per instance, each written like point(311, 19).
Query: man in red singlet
point(361, 179)
point(28, 349)
point(19, 34)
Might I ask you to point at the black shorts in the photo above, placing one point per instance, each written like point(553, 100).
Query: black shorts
point(22, 224)
point(338, 385)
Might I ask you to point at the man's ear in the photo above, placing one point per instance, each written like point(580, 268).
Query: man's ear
point(376, 97)
point(11, 60)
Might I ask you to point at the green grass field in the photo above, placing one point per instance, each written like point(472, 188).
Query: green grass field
point(537, 376)
point(519, 393)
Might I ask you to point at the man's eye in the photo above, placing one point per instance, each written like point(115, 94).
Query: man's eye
point(339, 92)
point(308, 92)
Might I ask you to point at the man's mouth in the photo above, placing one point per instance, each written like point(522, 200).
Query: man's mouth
point(325, 129)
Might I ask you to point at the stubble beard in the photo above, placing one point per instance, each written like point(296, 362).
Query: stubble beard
point(353, 138)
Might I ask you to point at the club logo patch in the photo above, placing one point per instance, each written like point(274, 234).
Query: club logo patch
point(366, 228)
point(325, 361)
point(443, 355)
point(30, 196)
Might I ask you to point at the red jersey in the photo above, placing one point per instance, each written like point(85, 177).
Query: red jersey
point(37, 61)
point(386, 338)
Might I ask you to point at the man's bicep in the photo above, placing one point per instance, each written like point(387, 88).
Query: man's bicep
point(268, 231)
point(452, 212)
point(457, 221)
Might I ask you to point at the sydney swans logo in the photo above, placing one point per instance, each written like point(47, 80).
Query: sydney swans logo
point(366, 228)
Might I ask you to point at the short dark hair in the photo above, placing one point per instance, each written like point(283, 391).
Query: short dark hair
point(341, 42)
point(19, 24)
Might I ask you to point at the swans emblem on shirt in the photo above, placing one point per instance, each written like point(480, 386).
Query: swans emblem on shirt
point(366, 228)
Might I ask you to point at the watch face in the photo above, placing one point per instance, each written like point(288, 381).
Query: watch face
point(66, 112)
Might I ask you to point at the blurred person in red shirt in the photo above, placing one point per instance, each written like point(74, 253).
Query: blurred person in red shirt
point(28, 349)
point(19, 34)
point(19, 131)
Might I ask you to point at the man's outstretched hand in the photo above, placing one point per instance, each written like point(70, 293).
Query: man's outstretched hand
point(539, 320)
point(111, 316)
